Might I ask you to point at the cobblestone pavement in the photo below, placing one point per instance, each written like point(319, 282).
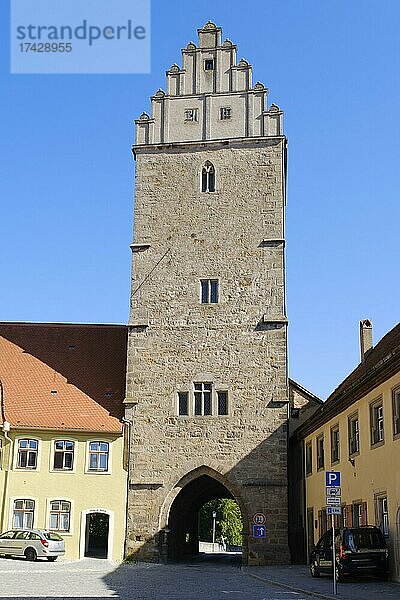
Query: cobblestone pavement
point(93, 579)
point(102, 579)
point(298, 578)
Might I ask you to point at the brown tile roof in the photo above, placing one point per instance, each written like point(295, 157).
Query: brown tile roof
point(380, 363)
point(374, 358)
point(63, 376)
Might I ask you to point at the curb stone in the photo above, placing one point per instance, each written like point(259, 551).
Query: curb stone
point(285, 586)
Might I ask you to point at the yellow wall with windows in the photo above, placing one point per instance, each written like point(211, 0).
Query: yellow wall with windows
point(376, 469)
point(104, 492)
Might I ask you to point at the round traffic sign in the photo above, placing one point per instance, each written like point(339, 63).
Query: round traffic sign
point(259, 519)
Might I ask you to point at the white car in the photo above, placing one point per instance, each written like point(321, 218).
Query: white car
point(32, 543)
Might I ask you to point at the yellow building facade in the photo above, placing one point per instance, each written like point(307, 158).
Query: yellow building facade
point(85, 504)
point(62, 435)
point(357, 432)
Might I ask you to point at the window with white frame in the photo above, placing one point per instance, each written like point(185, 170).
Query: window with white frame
point(27, 454)
point(225, 112)
point(320, 452)
point(60, 515)
point(202, 398)
point(335, 444)
point(309, 464)
point(376, 422)
point(354, 434)
point(208, 177)
point(191, 114)
point(209, 291)
point(23, 514)
point(209, 64)
point(357, 514)
point(98, 456)
point(63, 455)
point(382, 514)
point(396, 411)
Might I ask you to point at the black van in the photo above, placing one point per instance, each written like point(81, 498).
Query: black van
point(359, 550)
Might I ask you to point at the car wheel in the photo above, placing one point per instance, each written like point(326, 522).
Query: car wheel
point(314, 569)
point(30, 554)
point(51, 558)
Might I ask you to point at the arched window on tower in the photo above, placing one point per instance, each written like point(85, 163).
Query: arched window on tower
point(208, 177)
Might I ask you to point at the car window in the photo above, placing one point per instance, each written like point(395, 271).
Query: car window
point(50, 535)
point(319, 544)
point(358, 539)
point(21, 535)
point(8, 535)
point(34, 536)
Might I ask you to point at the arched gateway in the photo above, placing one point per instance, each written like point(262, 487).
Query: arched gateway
point(206, 377)
point(179, 516)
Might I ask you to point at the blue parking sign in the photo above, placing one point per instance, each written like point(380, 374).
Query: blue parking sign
point(332, 478)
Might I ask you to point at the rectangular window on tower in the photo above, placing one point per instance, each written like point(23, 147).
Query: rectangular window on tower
point(202, 398)
point(191, 114)
point(183, 403)
point(222, 398)
point(225, 112)
point(209, 291)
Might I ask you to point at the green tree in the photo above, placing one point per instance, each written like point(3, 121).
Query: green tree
point(228, 521)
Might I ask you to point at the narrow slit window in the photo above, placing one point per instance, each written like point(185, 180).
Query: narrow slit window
point(183, 403)
point(222, 403)
point(208, 178)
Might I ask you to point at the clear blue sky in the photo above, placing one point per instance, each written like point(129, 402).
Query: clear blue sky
point(67, 173)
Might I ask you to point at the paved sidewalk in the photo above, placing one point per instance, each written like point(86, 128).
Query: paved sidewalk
point(297, 578)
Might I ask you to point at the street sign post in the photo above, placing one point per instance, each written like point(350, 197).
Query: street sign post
point(259, 531)
point(333, 510)
point(333, 491)
point(333, 501)
point(332, 478)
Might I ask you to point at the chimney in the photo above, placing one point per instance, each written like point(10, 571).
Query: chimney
point(365, 338)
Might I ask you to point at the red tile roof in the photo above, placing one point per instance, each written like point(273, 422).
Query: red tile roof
point(63, 376)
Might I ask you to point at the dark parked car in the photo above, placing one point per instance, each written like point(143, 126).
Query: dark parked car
point(359, 550)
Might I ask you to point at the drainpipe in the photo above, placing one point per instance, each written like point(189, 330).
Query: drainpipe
point(6, 428)
point(127, 430)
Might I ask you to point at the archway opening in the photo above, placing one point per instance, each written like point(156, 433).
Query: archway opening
point(191, 517)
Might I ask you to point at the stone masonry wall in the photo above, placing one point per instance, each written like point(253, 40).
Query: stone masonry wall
point(183, 235)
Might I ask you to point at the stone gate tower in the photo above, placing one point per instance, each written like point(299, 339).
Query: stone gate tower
point(207, 380)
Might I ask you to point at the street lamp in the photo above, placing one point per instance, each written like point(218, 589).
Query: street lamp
point(214, 517)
